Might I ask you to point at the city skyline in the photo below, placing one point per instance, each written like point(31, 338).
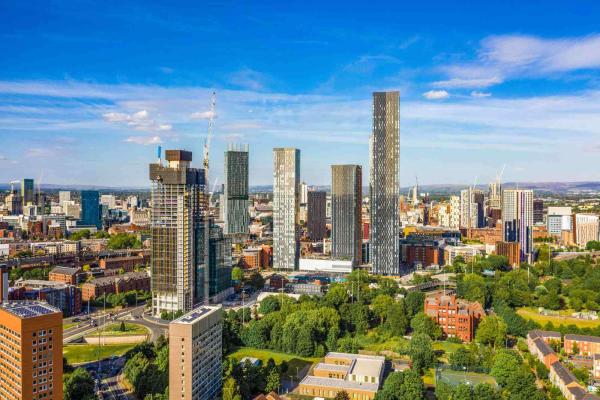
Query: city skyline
point(474, 97)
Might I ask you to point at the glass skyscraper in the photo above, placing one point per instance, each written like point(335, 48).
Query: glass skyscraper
point(517, 220)
point(27, 191)
point(90, 208)
point(235, 200)
point(384, 184)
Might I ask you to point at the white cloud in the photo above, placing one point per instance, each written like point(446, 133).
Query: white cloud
point(144, 140)
point(458, 83)
point(505, 57)
point(477, 94)
point(247, 78)
point(436, 95)
point(140, 120)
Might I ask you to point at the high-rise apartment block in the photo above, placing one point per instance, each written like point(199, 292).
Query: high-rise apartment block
point(219, 261)
point(27, 192)
point(585, 228)
point(90, 208)
point(559, 219)
point(235, 199)
point(64, 196)
point(175, 225)
point(286, 207)
point(195, 355)
point(471, 208)
point(346, 204)
point(384, 183)
point(31, 336)
point(517, 220)
point(317, 203)
point(449, 213)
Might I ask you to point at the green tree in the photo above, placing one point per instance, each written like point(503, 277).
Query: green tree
point(380, 305)
point(593, 245)
point(405, 385)
point(462, 358)
point(336, 295)
point(415, 302)
point(78, 385)
point(472, 287)
point(485, 391)
point(231, 389)
point(462, 392)
point(273, 380)
point(422, 323)
point(268, 305)
point(237, 274)
point(396, 321)
point(421, 352)
point(342, 395)
point(443, 391)
point(256, 280)
point(505, 363)
point(491, 331)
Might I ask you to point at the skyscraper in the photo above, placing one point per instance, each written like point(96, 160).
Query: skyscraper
point(538, 211)
point(176, 226)
point(235, 201)
point(195, 355)
point(346, 204)
point(384, 183)
point(90, 208)
point(219, 261)
point(286, 207)
point(471, 208)
point(64, 196)
point(31, 339)
point(517, 219)
point(27, 191)
point(316, 214)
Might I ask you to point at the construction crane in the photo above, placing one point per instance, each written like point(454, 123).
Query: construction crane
point(211, 116)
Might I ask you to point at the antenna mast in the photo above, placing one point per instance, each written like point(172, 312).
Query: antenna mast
point(207, 199)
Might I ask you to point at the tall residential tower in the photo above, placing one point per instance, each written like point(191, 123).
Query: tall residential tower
point(235, 201)
point(346, 204)
point(176, 228)
point(384, 183)
point(286, 208)
point(317, 203)
point(517, 220)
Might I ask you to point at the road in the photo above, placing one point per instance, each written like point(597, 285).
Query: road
point(77, 332)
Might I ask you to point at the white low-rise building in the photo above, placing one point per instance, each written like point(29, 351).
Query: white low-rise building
point(326, 265)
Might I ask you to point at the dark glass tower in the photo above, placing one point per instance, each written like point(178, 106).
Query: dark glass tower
point(90, 208)
point(346, 212)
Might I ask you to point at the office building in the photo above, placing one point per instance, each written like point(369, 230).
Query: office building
point(585, 228)
point(360, 376)
point(235, 198)
point(31, 336)
point(220, 261)
point(303, 193)
point(346, 221)
point(457, 318)
point(27, 192)
point(90, 208)
point(316, 205)
point(108, 200)
point(517, 220)
point(286, 207)
point(14, 203)
point(538, 211)
point(63, 196)
point(195, 355)
point(175, 225)
point(471, 208)
point(384, 183)
point(559, 219)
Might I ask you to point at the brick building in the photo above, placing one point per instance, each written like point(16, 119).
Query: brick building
point(115, 284)
point(539, 346)
point(423, 251)
point(68, 275)
point(31, 343)
point(457, 318)
point(127, 263)
point(63, 296)
point(510, 250)
point(587, 345)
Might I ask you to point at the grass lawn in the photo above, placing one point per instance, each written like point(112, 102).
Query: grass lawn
point(563, 319)
point(130, 330)
point(69, 325)
point(82, 353)
point(295, 363)
point(375, 343)
point(473, 378)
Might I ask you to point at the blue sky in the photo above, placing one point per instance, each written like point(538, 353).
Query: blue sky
point(89, 89)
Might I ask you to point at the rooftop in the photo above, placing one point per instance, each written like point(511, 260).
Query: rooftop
point(196, 314)
point(65, 270)
point(582, 338)
point(28, 309)
point(545, 334)
point(563, 373)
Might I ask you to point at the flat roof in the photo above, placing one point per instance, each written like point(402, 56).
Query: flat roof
point(28, 309)
point(332, 367)
point(351, 356)
point(196, 314)
point(338, 383)
point(367, 367)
